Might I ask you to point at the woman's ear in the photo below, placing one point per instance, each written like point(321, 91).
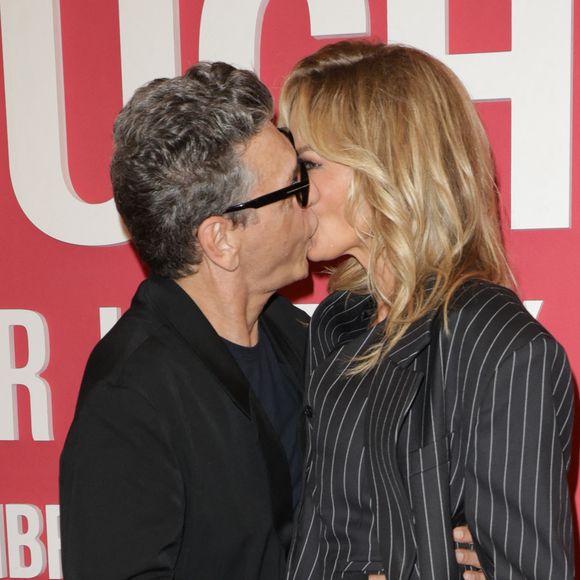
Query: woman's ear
point(218, 242)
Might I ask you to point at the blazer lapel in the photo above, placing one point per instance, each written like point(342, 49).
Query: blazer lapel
point(424, 454)
point(175, 307)
point(393, 389)
point(391, 394)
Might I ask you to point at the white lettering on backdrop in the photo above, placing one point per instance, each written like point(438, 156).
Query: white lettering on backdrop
point(535, 75)
point(27, 554)
point(33, 77)
point(24, 525)
point(28, 376)
point(241, 24)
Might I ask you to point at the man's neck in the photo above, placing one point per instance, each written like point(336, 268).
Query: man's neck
point(230, 307)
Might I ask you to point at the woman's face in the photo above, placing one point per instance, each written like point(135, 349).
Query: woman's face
point(330, 183)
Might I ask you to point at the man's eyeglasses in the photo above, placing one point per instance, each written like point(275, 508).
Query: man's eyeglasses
point(298, 188)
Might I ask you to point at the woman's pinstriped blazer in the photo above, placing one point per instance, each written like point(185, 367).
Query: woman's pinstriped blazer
point(469, 426)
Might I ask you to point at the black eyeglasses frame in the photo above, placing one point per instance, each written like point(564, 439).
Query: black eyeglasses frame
point(300, 189)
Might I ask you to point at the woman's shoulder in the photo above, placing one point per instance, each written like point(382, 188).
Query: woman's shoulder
point(489, 314)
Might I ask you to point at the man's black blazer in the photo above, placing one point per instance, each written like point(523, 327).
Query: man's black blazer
point(170, 468)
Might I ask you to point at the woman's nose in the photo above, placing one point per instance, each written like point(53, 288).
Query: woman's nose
point(313, 193)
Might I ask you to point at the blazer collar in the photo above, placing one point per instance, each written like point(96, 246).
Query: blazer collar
point(172, 305)
point(351, 314)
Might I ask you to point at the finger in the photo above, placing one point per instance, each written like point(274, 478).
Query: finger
point(467, 557)
point(470, 575)
point(462, 534)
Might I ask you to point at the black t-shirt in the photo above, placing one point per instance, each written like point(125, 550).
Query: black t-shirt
point(278, 397)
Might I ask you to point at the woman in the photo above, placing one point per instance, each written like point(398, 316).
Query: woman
point(434, 398)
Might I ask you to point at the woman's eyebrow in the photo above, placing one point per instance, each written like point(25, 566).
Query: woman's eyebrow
point(302, 149)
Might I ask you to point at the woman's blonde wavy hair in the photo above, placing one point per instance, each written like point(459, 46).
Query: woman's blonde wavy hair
point(422, 165)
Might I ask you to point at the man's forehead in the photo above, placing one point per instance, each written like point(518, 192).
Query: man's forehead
point(269, 151)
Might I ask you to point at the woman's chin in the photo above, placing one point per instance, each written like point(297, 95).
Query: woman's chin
point(317, 255)
point(324, 252)
point(319, 251)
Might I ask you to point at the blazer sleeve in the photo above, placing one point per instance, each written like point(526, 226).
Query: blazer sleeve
point(121, 491)
point(516, 498)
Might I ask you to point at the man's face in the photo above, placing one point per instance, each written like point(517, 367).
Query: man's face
point(276, 239)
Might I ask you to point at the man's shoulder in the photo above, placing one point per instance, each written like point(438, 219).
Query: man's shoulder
point(140, 352)
point(135, 341)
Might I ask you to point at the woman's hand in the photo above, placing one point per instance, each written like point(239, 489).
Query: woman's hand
point(467, 557)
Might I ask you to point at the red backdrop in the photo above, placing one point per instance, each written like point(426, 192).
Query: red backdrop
point(56, 288)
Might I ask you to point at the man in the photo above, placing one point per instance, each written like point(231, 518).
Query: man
point(183, 458)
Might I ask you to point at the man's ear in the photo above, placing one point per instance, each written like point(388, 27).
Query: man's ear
point(218, 242)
